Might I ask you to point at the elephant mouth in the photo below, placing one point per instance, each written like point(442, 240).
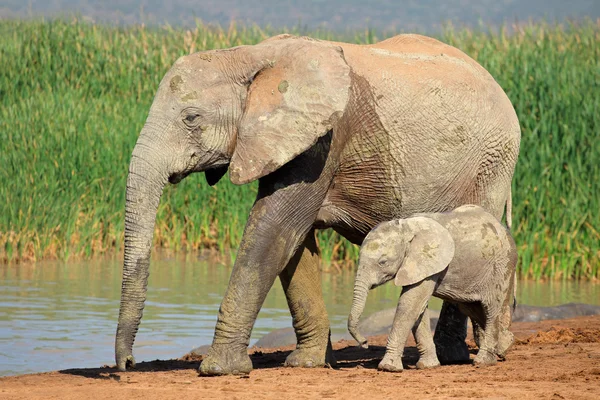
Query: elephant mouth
point(213, 175)
point(174, 179)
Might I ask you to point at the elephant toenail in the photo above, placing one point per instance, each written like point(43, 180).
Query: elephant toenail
point(309, 364)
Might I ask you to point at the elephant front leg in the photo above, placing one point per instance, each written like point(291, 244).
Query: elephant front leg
point(301, 281)
point(277, 228)
point(265, 250)
point(412, 304)
point(450, 335)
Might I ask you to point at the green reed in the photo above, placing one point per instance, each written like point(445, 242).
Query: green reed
point(74, 96)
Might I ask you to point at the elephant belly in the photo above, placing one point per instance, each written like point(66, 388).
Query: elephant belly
point(348, 222)
point(358, 201)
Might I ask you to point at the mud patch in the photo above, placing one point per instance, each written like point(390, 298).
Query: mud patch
point(563, 335)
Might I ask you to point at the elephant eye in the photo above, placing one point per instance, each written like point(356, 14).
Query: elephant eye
point(191, 117)
point(382, 261)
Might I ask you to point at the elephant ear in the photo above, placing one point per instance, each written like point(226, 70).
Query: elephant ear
point(296, 98)
point(430, 250)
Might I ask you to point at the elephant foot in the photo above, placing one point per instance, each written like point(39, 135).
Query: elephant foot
point(452, 351)
point(311, 357)
point(428, 362)
point(125, 363)
point(391, 364)
point(505, 342)
point(484, 358)
point(223, 360)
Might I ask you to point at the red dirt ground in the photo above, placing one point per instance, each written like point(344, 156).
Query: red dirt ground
point(551, 360)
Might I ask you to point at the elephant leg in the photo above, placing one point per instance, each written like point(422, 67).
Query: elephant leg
point(489, 340)
point(265, 250)
point(412, 304)
point(505, 336)
point(301, 281)
point(477, 332)
point(286, 207)
point(450, 335)
point(423, 337)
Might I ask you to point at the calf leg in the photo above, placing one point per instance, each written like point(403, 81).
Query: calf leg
point(411, 305)
point(505, 336)
point(301, 281)
point(488, 342)
point(424, 338)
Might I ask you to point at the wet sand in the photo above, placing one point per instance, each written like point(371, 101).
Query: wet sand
point(552, 359)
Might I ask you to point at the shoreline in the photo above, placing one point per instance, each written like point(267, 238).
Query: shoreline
point(551, 359)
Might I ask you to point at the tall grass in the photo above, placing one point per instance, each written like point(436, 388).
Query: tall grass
point(74, 97)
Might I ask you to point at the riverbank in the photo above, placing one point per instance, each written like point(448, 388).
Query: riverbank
point(552, 359)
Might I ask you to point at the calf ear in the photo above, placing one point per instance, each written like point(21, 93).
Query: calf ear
point(295, 98)
point(430, 250)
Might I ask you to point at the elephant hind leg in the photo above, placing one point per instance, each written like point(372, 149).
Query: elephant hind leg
point(506, 337)
point(450, 335)
point(486, 318)
point(301, 281)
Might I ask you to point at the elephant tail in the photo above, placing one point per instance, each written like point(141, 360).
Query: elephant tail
point(514, 302)
point(509, 226)
point(509, 210)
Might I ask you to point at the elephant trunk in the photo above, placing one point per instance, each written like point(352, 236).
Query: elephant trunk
point(359, 299)
point(147, 177)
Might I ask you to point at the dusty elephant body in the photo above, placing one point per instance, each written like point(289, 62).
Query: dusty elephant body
point(339, 135)
point(466, 257)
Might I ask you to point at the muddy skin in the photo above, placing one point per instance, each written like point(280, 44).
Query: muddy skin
point(300, 276)
point(313, 335)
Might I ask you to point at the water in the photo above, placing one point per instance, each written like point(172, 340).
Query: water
point(56, 315)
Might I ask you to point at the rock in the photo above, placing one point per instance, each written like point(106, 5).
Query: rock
point(336, 337)
point(524, 313)
point(200, 351)
point(380, 322)
point(277, 338)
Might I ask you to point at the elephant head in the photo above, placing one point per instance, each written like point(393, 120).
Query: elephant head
point(406, 250)
point(249, 109)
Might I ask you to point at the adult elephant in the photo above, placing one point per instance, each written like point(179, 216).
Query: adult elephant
point(338, 135)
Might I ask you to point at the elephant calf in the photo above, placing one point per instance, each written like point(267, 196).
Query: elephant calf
point(466, 257)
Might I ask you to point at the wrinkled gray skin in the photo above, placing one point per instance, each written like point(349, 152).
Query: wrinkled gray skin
point(338, 135)
point(465, 257)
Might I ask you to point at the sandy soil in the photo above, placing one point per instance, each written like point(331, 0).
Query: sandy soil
point(552, 359)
